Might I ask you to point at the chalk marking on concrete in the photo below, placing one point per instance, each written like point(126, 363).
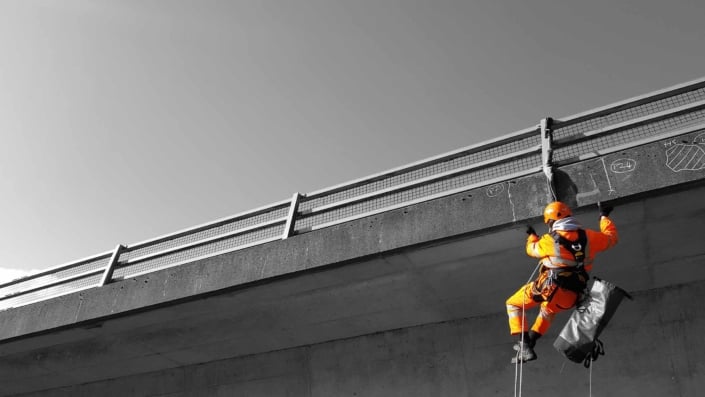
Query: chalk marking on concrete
point(607, 175)
point(593, 192)
point(700, 139)
point(78, 309)
point(623, 166)
point(495, 190)
point(509, 194)
point(684, 157)
point(261, 273)
point(166, 281)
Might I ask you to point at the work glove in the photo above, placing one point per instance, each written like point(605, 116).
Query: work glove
point(604, 209)
point(530, 230)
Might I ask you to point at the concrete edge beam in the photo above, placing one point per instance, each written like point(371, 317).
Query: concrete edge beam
point(621, 176)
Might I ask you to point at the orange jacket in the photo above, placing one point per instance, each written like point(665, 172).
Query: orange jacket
point(553, 255)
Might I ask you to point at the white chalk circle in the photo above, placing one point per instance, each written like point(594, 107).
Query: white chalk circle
point(622, 166)
point(700, 139)
point(495, 190)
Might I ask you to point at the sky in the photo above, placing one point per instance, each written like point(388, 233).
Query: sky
point(125, 120)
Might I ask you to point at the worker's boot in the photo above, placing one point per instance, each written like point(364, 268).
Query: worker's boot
point(525, 347)
point(530, 337)
point(524, 352)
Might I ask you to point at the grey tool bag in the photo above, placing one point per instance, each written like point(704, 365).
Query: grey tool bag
point(578, 339)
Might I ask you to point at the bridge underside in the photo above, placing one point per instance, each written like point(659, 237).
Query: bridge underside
point(433, 284)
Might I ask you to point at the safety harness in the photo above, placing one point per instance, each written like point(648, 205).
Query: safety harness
point(573, 278)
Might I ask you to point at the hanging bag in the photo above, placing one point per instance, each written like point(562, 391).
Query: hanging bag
point(578, 340)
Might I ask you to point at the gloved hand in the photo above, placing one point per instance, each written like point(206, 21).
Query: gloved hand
point(530, 230)
point(604, 209)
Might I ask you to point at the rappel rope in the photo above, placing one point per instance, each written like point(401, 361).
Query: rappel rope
point(519, 365)
point(590, 383)
point(597, 350)
point(546, 130)
point(546, 154)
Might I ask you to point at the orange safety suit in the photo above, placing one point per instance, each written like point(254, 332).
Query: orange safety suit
point(555, 259)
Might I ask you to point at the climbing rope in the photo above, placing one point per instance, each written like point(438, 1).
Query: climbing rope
point(519, 364)
point(590, 383)
point(597, 350)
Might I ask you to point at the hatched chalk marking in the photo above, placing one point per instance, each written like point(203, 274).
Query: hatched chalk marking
point(686, 157)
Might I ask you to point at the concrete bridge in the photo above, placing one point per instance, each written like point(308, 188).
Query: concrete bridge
point(392, 285)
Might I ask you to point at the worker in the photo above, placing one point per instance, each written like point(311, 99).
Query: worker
point(565, 256)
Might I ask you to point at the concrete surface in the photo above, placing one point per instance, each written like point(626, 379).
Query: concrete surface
point(409, 302)
point(456, 358)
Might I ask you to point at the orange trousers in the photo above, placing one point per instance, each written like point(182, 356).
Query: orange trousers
point(561, 299)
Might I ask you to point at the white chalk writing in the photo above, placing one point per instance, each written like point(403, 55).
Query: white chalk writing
point(621, 166)
point(495, 190)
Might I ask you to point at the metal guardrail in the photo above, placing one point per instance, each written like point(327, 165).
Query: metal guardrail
point(670, 112)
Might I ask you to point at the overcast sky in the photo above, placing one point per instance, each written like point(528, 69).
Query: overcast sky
point(125, 120)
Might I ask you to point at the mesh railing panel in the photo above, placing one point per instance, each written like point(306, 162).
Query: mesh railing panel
point(433, 169)
point(426, 190)
point(31, 283)
point(211, 248)
point(572, 151)
point(216, 230)
point(51, 292)
point(630, 113)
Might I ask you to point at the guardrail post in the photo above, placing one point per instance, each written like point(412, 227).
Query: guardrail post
point(547, 152)
point(291, 218)
point(108, 273)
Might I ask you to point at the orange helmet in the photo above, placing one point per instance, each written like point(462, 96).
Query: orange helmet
point(555, 211)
